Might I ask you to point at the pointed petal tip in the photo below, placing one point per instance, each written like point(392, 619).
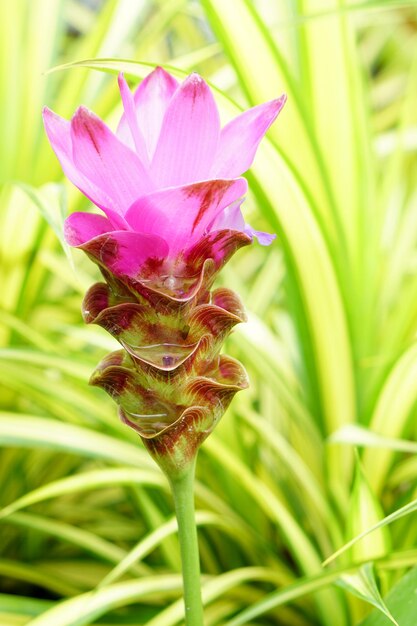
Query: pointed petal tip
point(269, 111)
point(264, 239)
point(48, 115)
point(160, 73)
point(196, 81)
point(195, 76)
point(56, 128)
point(281, 101)
point(124, 89)
point(84, 121)
point(82, 111)
point(160, 70)
point(84, 114)
point(123, 84)
point(275, 106)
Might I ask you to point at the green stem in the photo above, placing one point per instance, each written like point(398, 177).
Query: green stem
point(183, 492)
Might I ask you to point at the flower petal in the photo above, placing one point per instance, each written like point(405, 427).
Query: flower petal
point(231, 217)
point(151, 101)
point(240, 138)
point(124, 253)
point(81, 227)
point(59, 134)
point(189, 135)
point(128, 129)
point(265, 239)
point(181, 215)
point(106, 161)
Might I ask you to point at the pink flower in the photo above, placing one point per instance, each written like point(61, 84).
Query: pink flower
point(169, 181)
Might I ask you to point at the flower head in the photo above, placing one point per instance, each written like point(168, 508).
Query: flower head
point(170, 187)
point(168, 181)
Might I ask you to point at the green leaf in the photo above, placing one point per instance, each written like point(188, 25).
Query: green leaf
point(364, 586)
point(85, 482)
point(214, 589)
point(151, 541)
point(365, 511)
point(52, 204)
point(80, 537)
point(23, 605)
point(298, 542)
point(393, 517)
point(86, 608)
point(34, 575)
point(355, 435)
point(31, 431)
point(401, 602)
point(308, 585)
point(396, 402)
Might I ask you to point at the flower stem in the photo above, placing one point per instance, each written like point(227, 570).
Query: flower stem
point(183, 492)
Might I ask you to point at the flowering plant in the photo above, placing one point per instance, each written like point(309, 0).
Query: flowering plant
point(169, 183)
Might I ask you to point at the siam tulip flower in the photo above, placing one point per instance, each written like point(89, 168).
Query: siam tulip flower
point(169, 184)
point(170, 187)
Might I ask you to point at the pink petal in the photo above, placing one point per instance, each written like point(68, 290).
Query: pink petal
point(151, 101)
point(106, 161)
point(181, 215)
point(125, 253)
point(240, 138)
point(59, 135)
point(231, 218)
point(265, 239)
point(81, 227)
point(189, 136)
point(128, 129)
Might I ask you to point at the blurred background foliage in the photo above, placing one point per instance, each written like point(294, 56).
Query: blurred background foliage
point(87, 530)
